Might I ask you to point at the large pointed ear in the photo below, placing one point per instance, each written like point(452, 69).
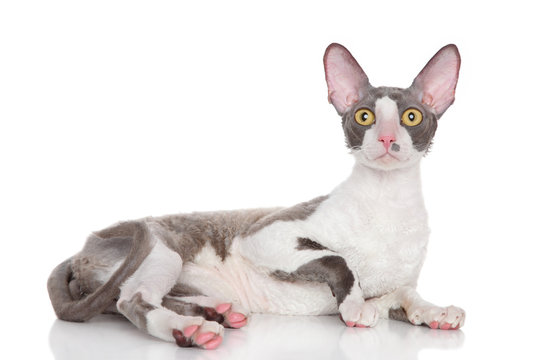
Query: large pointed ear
point(436, 83)
point(346, 80)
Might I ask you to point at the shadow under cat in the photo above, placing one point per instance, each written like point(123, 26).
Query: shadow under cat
point(266, 337)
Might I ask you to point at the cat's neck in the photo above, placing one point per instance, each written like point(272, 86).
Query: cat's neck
point(398, 187)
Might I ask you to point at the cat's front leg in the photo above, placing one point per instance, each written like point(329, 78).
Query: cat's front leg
point(406, 304)
point(332, 269)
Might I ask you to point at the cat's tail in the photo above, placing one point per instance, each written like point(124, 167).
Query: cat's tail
point(68, 305)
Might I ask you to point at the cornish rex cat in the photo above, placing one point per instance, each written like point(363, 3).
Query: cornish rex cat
point(357, 251)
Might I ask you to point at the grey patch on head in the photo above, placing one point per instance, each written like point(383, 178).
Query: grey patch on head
point(187, 234)
point(395, 147)
point(398, 314)
point(136, 310)
point(331, 270)
point(308, 244)
point(353, 132)
point(421, 134)
point(300, 211)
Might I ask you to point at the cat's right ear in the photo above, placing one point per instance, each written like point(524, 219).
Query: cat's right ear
point(346, 81)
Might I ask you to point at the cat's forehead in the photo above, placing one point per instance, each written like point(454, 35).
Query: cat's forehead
point(404, 98)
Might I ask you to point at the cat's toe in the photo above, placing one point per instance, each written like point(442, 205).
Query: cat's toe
point(449, 318)
point(454, 319)
point(234, 316)
point(207, 336)
point(360, 315)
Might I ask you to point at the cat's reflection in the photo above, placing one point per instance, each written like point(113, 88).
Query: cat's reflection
point(266, 337)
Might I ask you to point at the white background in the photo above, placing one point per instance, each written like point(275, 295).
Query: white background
point(115, 110)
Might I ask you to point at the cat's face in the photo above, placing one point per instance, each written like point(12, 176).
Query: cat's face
point(389, 128)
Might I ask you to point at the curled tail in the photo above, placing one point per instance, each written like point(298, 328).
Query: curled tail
point(69, 308)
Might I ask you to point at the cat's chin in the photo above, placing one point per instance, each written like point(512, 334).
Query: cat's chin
point(386, 162)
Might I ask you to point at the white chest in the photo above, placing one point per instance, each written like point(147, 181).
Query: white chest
point(381, 228)
point(384, 246)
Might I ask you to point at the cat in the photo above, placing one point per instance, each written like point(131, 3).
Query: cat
point(356, 252)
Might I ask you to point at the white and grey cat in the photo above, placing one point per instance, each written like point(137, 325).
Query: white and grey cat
point(357, 251)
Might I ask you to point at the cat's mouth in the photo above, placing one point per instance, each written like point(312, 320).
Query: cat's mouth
point(388, 158)
point(387, 155)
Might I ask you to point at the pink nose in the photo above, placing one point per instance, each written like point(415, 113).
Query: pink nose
point(387, 140)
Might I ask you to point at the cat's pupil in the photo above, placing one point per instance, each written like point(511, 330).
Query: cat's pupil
point(364, 116)
point(411, 116)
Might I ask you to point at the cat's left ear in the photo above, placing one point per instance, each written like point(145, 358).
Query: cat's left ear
point(436, 83)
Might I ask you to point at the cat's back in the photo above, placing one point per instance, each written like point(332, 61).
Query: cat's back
point(189, 233)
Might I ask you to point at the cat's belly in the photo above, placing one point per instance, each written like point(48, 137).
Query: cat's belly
point(238, 280)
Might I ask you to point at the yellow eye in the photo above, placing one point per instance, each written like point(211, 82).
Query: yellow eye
point(364, 117)
point(412, 117)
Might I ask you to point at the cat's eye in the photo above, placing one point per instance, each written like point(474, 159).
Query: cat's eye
point(364, 117)
point(412, 117)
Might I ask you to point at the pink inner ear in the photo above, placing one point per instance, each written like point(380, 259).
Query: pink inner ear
point(438, 79)
point(344, 77)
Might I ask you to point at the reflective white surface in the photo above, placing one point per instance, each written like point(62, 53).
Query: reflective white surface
point(266, 337)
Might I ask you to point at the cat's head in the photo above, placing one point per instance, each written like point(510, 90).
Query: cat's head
point(386, 127)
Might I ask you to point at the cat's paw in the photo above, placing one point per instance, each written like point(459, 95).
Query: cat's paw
point(445, 318)
point(231, 315)
point(358, 314)
point(207, 336)
point(234, 316)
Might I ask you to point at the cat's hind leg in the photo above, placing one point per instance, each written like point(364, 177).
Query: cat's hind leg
point(229, 314)
point(141, 299)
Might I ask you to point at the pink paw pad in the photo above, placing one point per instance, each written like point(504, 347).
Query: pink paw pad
point(190, 330)
point(434, 325)
point(350, 323)
point(445, 326)
point(235, 317)
point(236, 320)
point(223, 308)
point(212, 344)
point(204, 338)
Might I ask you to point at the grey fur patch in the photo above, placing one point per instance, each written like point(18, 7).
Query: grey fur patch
point(189, 309)
point(398, 314)
point(421, 134)
point(67, 283)
point(187, 234)
point(97, 256)
point(300, 211)
point(395, 147)
point(136, 310)
point(308, 244)
point(182, 307)
point(353, 132)
point(331, 270)
point(181, 290)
